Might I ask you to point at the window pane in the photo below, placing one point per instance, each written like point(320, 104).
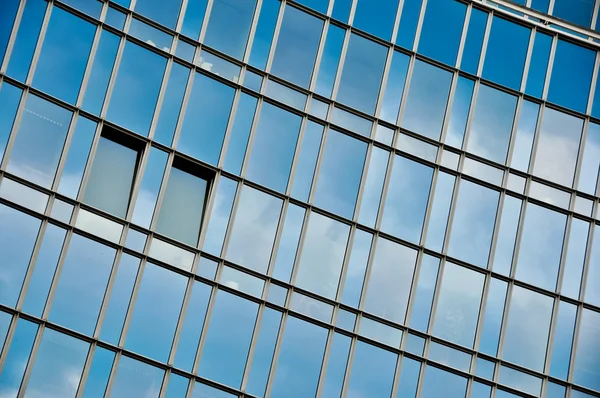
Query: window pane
point(330, 60)
point(18, 233)
point(77, 157)
point(394, 87)
point(171, 104)
point(6, 24)
point(297, 46)
point(136, 379)
point(263, 351)
point(523, 145)
point(579, 12)
point(336, 366)
point(372, 372)
point(253, 229)
point(411, 9)
point(136, 89)
point(423, 299)
point(273, 147)
point(362, 73)
point(64, 55)
point(300, 356)
point(163, 12)
point(340, 174)
point(406, 201)
point(158, 303)
point(440, 209)
point(228, 339)
point(390, 280)
point(563, 340)
point(587, 356)
point(150, 187)
point(97, 379)
point(320, 264)
point(39, 141)
point(229, 25)
point(177, 387)
point(474, 41)
point(538, 65)
point(592, 291)
point(58, 366)
point(193, 18)
point(473, 223)
point(373, 186)
point(438, 383)
point(219, 217)
point(240, 133)
point(409, 378)
point(17, 357)
point(458, 305)
point(376, 18)
point(557, 148)
point(426, 102)
point(450, 15)
point(264, 33)
point(307, 160)
point(206, 118)
point(527, 329)
point(288, 243)
point(26, 39)
point(82, 283)
point(571, 75)
point(506, 53)
point(507, 235)
point(492, 124)
point(112, 170)
point(10, 96)
point(541, 247)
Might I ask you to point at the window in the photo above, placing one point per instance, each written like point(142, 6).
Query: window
point(450, 15)
point(576, 11)
point(112, 172)
point(182, 209)
point(163, 12)
point(376, 18)
point(372, 372)
point(229, 25)
point(587, 355)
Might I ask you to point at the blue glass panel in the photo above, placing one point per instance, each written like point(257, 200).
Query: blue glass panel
point(540, 5)
point(571, 75)
point(239, 134)
point(18, 233)
point(10, 97)
point(300, 356)
point(92, 8)
point(427, 98)
point(541, 246)
point(297, 46)
point(151, 181)
point(573, 263)
point(592, 292)
point(341, 10)
point(406, 201)
point(307, 160)
point(473, 223)
point(373, 187)
point(136, 88)
point(5, 319)
point(273, 147)
point(177, 387)
point(340, 174)
point(219, 217)
point(438, 383)
point(322, 255)
point(376, 18)
point(330, 60)
point(77, 156)
point(27, 36)
point(587, 354)
point(7, 19)
point(136, 379)
point(372, 372)
point(390, 279)
point(492, 124)
point(189, 336)
point(17, 357)
point(411, 9)
point(525, 131)
point(450, 15)
point(576, 11)
point(394, 87)
point(362, 73)
point(318, 5)
point(228, 339)
point(39, 142)
point(97, 378)
point(506, 53)
point(193, 18)
point(163, 12)
point(440, 209)
point(494, 312)
point(263, 352)
point(82, 283)
point(158, 303)
point(409, 378)
point(564, 329)
point(43, 271)
point(458, 306)
point(171, 104)
point(288, 243)
point(229, 25)
point(114, 318)
point(474, 42)
point(206, 119)
point(538, 65)
point(59, 357)
point(64, 55)
point(104, 60)
point(264, 33)
point(336, 366)
point(424, 293)
point(203, 390)
point(507, 235)
point(590, 160)
point(480, 390)
point(527, 328)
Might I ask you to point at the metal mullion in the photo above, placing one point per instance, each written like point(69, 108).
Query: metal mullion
point(14, 129)
point(486, 38)
point(419, 25)
point(37, 342)
point(513, 139)
point(398, 370)
point(57, 273)
point(253, 128)
point(470, 117)
point(206, 324)
point(88, 165)
point(383, 84)
point(39, 44)
point(579, 162)
point(207, 12)
point(161, 96)
point(161, 192)
point(231, 221)
point(207, 213)
point(412, 295)
point(550, 341)
point(528, 57)
point(384, 190)
point(277, 350)
point(352, 12)
point(367, 276)
point(550, 65)
point(325, 362)
point(253, 342)
point(349, 362)
point(534, 145)
point(319, 56)
point(181, 320)
point(448, 111)
point(10, 333)
point(363, 182)
point(87, 365)
point(397, 22)
point(587, 262)
point(341, 61)
point(316, 173)
point(252, 31)
point(107, 294)
point(13, 37)
point(114, 72)
point(138, 178)
point(275, 38)
point(345, 262)
point(229, 127)
point(463, 38)
point(404, 98)
point(595, 15)
point(113, 373)
point(31, 263)
point(551, 7)
point(181, 17)
point(132, 301)
point(90, 65)
point(575, 343)
point(184, 104)
point(592, 94)
point(299, 143)
point(503, 325)
point(481, 316)
point(299, 249)
point(278, 235)
point(65, 151)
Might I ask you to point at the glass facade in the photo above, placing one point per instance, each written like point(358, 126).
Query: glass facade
point(277, 198)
